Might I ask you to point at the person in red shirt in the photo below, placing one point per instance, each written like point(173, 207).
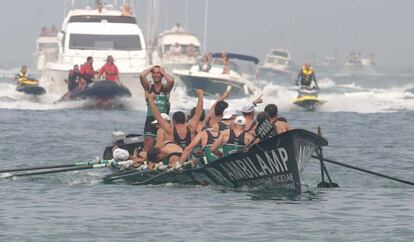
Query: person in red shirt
point(86, 72)
point(110, 70)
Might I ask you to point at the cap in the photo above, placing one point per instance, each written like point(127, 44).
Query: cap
point(164, 116)
point(240, 120)
point(228, 113)
point(248, 108)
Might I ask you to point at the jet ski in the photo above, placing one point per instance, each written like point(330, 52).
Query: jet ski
point(30, 86)
point(308, 98)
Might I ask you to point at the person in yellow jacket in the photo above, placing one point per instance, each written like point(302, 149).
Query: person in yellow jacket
point(23, 79)
point(306, 77)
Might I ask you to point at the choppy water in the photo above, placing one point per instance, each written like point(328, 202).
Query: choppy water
point(370, 127)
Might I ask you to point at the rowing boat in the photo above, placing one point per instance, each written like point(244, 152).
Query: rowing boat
point(276, 163)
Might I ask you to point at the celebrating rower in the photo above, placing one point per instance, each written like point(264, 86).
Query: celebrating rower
point(162, 95)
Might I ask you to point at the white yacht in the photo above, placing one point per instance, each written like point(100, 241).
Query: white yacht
point(359, 66)
point(47, 47)
point(98, 33)
point(214, 81)
point(277, 66)
point(176, 49)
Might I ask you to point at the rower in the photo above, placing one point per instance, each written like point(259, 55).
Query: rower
point(279, 125)
point(200, 125)
point(215, 114)
point(228, 117)
point(200, 147)
point(162, 94)
point(168, 155)
point(248, 113)
point(233, 139)
point(162, 136)
point(181, 131)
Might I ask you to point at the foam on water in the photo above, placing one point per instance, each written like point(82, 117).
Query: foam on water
point(339, 97)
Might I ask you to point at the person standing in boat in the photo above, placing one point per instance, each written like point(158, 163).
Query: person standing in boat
point(306, 77)
point(162, 95)
point(233, 139)
point(74, 78)
point(87, 72)
point(110, 70)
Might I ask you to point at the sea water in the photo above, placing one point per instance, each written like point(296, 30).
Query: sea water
point(367, 124)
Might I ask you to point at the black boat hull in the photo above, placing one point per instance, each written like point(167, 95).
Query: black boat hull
point(98, 90)
point(275, 163)
point(32, 90)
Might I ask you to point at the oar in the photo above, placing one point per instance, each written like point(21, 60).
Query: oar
point(80, 163)
point(366, 171)
point(85, 167)
point(126, 174)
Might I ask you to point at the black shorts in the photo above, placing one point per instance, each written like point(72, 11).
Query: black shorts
point(150, 129)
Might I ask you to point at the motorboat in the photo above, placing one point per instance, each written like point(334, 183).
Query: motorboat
point(308, 99)
point(214, 81)
point(277, 66)
point(176, 49)
point(98, 33)
point(359, 66)
point(47, 47)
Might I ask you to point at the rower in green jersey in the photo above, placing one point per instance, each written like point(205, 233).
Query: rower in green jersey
point(233, 139)
point(201, 142)
point(161, 99)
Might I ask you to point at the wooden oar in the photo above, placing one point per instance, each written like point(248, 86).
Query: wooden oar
point(366, 171)
point(80, 163)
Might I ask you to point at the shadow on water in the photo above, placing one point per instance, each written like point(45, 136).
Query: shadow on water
point(286, 196)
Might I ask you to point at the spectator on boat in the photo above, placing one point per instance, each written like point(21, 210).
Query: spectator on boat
point(99, 6)
point(126, 10)
point(280, 125)
point(190, 50)
point(169, 155)
point(205, 64)
point(87, 73)
point(74, 78)
point(248, 111)
point(306, 77)
point(233, 139)
point(110, 70)
point(181, 130)
point(226, 65)
point(175, 49)
point(162, 95)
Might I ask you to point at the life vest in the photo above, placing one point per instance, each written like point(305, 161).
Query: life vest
point(306, 76)
point(161, 100)
point(307, 72)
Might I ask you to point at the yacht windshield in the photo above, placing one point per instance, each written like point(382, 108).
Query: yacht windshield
point(104, 42)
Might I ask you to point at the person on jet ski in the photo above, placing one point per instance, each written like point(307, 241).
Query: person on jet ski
point(306, 77)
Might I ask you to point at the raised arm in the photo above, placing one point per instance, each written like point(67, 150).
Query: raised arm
point(169, 78)
point(187, 151)
point(210, 112)
point(199, 110)
point(157, 115)
point(143, 77)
